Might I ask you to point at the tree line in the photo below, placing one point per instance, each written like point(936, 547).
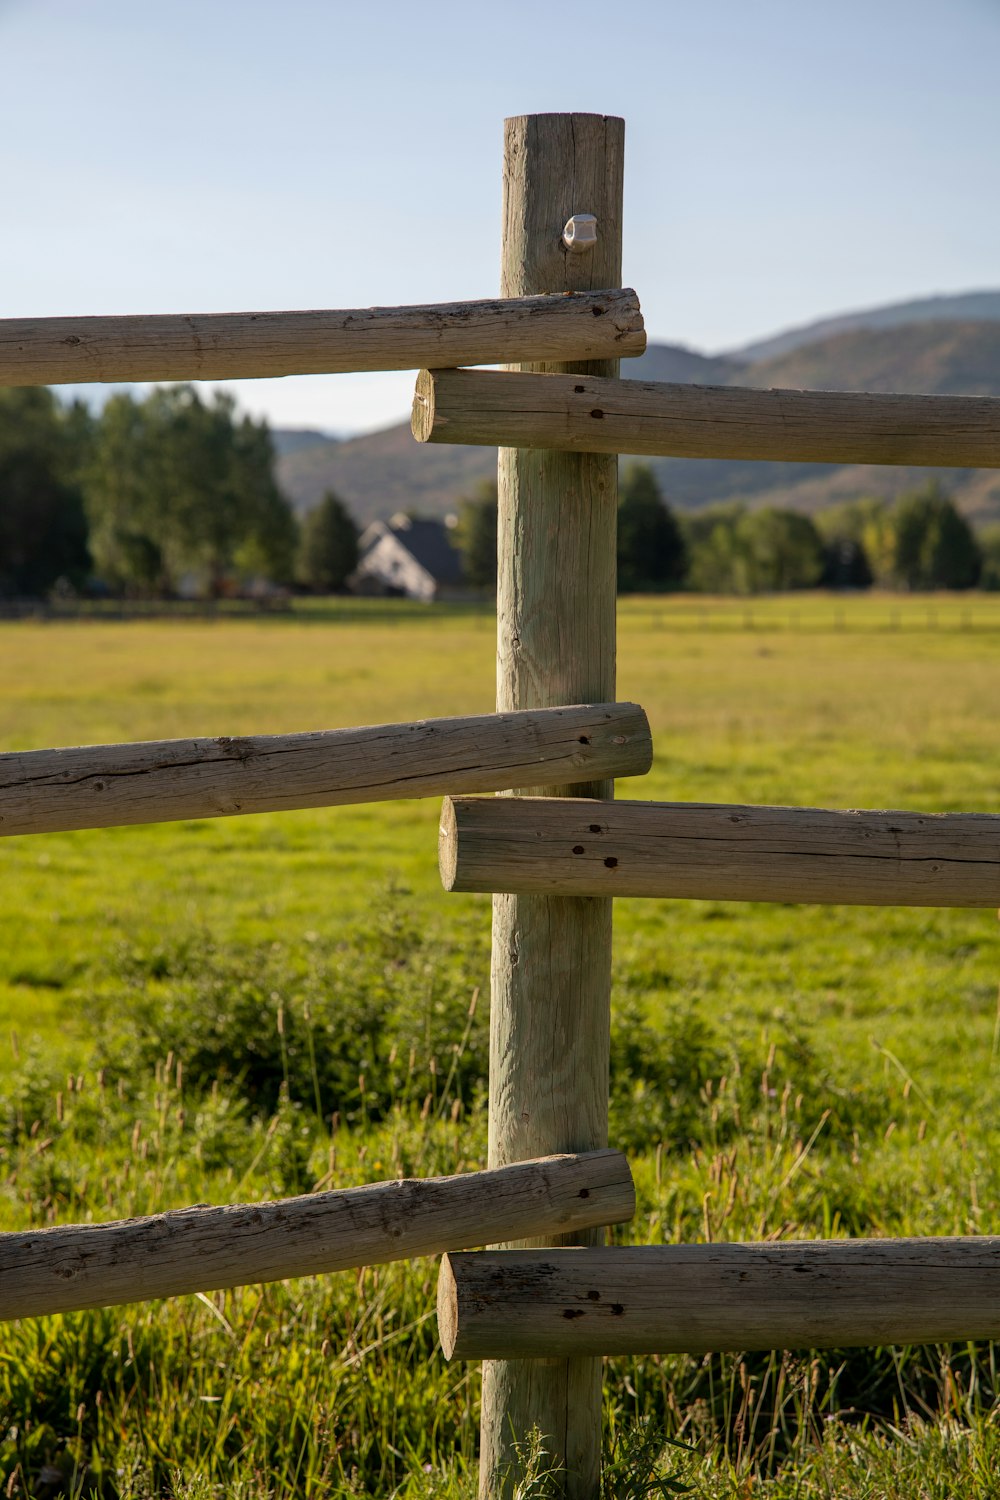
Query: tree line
point(919, 541)
point(174, 492)
point(157, 495)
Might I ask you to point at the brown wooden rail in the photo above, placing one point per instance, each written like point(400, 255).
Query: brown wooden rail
point(103, 786)
point(75, 1266)
point(246, 345)
point(579, 847)
point(589, 414)
point(703, 1299)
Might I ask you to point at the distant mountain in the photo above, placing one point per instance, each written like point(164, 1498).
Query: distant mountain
point(933, 358)
point(960, 307)
point(384, 472)
point(691, 484)
point(387, 471)
point(672, 362)
point(293, 439)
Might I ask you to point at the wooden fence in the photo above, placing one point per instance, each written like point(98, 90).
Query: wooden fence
point(720, 852)
point(539, 1314)
point(576, 414)
point(74, 1266)
point(107, 786)
point(702, 1299)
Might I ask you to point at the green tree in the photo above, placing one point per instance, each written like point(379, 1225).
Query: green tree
point(651, 550)
point(269, 544)
point(737, 551)
point(329, 548)
point(125, 529)
point(710, 537)
point(934, 546)
point(777, 550)
point(847, 564)
point(989, 546)
point(476, 535)
point(43, 528)
point(182, 487)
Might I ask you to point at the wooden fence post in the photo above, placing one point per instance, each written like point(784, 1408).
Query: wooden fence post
point(551, 971)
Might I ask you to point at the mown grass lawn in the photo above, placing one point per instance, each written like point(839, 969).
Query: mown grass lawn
point(778, 1070)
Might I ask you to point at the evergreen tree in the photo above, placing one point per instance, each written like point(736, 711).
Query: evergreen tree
point(845, 564)
point(476, 535)
point(934, 546)
point(329, 550)
point(181, 486)
point(843, 528)
point(43, 528)
point(651, 550)
point(989, 546)
point(267, 542)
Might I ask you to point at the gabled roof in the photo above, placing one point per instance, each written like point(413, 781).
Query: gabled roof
point(428, 543)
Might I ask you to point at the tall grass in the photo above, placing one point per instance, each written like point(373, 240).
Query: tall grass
point(230, 1011)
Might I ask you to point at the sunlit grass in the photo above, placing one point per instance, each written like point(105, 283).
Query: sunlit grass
point(742, 1033)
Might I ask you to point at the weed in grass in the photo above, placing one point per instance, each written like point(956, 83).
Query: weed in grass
point(639, 1461)
point(351, 1029)
point(227, 1379)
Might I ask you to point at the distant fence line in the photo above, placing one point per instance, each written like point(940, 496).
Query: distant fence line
point(728, 617)
point(141, 609)
point(910, 618)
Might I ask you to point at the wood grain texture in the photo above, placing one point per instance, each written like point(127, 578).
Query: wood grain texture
point(203, 1249)
point(583, 847)
point(551, 966)
point(103, 786)
point(595, 324)
point(586, 414)
point(701, 1299)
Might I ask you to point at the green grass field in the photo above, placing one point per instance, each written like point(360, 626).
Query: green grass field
point(787, 1071)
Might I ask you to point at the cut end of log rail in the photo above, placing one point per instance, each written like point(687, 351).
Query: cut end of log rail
point(578, 847)
point(705, 1299)
point(594, 414)
point(77, 1266)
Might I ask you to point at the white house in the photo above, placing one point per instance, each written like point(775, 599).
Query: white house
point(411, 557)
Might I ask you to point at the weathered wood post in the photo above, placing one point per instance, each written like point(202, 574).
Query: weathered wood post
point(551, 972)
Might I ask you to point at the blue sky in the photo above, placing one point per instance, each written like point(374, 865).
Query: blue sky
point(785, 159)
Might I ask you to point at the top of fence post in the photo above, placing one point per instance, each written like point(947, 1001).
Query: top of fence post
point(557, 167)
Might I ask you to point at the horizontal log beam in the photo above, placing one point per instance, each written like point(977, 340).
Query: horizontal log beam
point(570, 326)
point(587, 414)
point(104, 786)
point(704, 1299)
point(578, 847)
point(76, 1266)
